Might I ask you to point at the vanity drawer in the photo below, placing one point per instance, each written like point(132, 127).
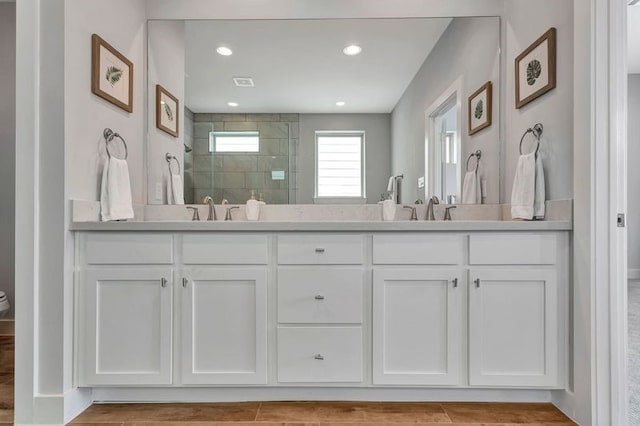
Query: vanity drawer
point(320, 354)
point(320, 296)
point(512, 249)
point(224, 249)
point(425, 249)
point(315, 249)
point(102, 248)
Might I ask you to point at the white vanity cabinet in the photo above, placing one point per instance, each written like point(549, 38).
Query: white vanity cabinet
point(320, 304)
point(455, 309)
point(125, 295)
point(224, 326)
point(223, 314)
point(418, 311)
point(516, 318)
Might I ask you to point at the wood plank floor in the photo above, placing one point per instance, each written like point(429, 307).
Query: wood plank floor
point(291, 413)
point(7, 344)
point(323, 414)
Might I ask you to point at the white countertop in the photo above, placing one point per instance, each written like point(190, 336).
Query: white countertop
point(342, 226)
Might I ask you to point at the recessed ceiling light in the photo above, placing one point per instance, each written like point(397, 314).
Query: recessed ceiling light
point(232, 104)
point(243, 81)
point(224, 51)
point(340, 103)
point(352, 50)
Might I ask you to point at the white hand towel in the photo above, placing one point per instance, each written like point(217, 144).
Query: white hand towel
point(471, 189)
point(524, 187)
point(175, 190)
point(539, 197)
point(115, 191)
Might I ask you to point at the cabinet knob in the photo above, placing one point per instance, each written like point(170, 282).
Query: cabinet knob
point(319, 297)
point(455, 282)
point(185, 282)
point(477, 281)
point(319, 357)
point(163, 282)
point(319, 250)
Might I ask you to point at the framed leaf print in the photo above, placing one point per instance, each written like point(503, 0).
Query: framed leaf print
point(167, 112)
point(480, 108)
point(536, 69)
point(111, 74)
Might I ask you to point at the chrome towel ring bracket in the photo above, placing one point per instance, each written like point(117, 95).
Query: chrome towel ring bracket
point(535, 131)
point(478, 155)
point(168, 156)
point(110, 135)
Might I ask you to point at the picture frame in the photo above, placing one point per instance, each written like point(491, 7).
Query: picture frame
point(111, 74)
point(167, 111)
point(535, 69)
point(481, 108)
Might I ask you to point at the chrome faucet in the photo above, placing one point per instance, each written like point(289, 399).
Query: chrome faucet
point(447, 213)
point(432, 201)
point(229, 209)
point(212, 209)
point(196, 215)
point(414, 215)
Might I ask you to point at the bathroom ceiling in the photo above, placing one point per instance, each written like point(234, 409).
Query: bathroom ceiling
point(634, 39)
point(298, 65)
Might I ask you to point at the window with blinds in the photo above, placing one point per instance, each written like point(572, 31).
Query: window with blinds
point(234, 141)
point(339, 164)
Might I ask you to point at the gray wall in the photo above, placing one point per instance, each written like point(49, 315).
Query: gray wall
point(468, 48)
point(7, 147)
point(377, 128)
point(524, 22)
point(633, 173)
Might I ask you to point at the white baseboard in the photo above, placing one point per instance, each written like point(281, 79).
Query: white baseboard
point(48, 410)
point(113, 395)
point(75, 402)
point(61, 409)
point(565, 401)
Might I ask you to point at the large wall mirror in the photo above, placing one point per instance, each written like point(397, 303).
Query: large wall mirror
point(319, 111)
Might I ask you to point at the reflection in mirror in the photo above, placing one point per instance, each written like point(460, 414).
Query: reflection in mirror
point(290, 113)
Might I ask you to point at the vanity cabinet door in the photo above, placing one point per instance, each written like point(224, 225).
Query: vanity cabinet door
point(514, 328)
point(417, 326)
point(224, 326)
point(125, 326)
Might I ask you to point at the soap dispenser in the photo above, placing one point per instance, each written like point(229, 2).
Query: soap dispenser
point(253, 207)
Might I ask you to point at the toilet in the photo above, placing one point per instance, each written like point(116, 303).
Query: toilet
point(4, 304)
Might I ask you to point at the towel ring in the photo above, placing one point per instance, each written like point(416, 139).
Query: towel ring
point(537, 132)
point(168, 156)
point(478, 155)
point(110, 135)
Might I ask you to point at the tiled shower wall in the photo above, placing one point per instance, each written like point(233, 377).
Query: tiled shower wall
point(232, 175)
point(188, 157)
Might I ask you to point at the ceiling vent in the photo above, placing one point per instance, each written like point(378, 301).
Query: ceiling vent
point(243, 81)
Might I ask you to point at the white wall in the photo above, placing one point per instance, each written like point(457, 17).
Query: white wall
point(377, 129)
point(525, 21)
point(468, 48)
point(633, 170)
point(7, 147)
point(122, 23)
point(290, 9)
point(166, 56)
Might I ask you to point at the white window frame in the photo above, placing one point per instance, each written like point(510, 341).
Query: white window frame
point(216, 133)
point(363, 190)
